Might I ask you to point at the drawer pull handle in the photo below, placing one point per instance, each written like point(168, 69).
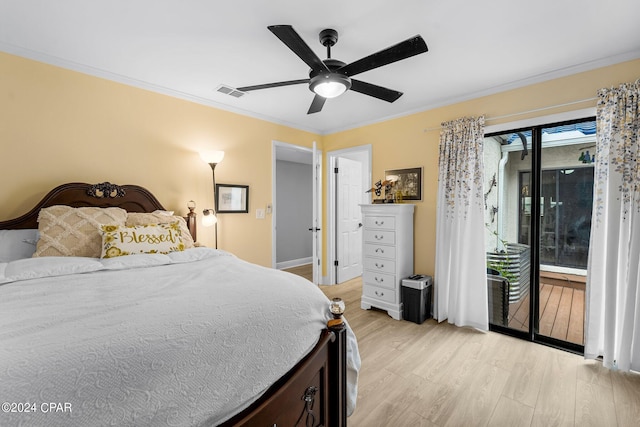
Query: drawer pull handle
point(379, 294)
point(379, 222)
point(379, 250)
point(308, 397)
point(379, 266)
point(379, 237)
point(378, 279)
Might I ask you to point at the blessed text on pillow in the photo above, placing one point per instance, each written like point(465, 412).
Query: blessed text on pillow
point(120, 240)
point(161, 217)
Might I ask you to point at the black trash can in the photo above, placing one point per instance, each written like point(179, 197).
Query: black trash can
point(416, 298)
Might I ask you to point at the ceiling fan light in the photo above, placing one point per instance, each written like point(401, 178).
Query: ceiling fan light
point(330, 85)
point(330, 89)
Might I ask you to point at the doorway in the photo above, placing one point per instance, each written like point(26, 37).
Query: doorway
point(348, 179)
point(539, 194)
point(295, 218)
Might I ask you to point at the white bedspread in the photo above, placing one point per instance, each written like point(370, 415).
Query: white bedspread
point(184, 339)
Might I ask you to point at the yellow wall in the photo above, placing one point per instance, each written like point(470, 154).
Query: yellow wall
point(60, 126)
point(404, 143)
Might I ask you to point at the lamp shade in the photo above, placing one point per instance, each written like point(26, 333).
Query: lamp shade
point(209, 219)
point(212, 156)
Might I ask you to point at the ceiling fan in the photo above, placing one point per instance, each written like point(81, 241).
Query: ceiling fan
point(331, 77)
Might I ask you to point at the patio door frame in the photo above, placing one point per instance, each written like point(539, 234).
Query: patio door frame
point(536, 126)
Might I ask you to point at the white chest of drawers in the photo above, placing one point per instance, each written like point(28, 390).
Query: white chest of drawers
point(388, 255)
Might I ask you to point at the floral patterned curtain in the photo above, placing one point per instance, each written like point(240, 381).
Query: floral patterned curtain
point(612, 323)
point(460, 274)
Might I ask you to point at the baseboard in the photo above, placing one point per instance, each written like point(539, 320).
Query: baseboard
point(293, 263)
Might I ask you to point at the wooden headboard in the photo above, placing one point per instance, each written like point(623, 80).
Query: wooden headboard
point(131, 198)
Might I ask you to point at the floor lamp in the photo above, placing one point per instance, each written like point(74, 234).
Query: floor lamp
point(210, 218)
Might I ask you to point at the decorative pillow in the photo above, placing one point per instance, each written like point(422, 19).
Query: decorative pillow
point(17, 244)
point(119, 240)
point(67, 231)
point(162, 217)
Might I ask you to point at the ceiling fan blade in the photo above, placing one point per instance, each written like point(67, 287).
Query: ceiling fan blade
point(288, 36)
point(269, 85)
point(403, 50)
point(379, 92)
point(316, 104)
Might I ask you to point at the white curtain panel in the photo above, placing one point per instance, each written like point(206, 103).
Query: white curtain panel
point(460, 272)
point(612, 322)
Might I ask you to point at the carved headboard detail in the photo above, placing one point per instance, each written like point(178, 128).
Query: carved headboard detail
point(131, 198)
point(106, 189)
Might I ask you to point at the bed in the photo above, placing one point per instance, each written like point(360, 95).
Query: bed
point(181, 336)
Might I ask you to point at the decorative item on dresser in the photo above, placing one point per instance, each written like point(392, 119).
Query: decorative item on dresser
point(388, 255)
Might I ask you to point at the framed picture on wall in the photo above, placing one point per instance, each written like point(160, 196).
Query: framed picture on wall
point(232, 198)
point(407, 181)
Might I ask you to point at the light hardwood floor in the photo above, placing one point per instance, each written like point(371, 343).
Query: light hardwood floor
point(305, 271)
point(441, 375)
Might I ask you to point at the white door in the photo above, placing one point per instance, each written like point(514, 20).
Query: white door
point(316, 215)
point(349, 219)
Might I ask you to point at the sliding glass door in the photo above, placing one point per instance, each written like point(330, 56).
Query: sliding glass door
point(566, 199)
point(538, 219)
point(508, 225)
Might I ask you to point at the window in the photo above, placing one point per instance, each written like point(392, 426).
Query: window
point(565, 215)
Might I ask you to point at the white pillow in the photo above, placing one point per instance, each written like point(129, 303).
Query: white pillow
point(17, 244)
point(158, 211)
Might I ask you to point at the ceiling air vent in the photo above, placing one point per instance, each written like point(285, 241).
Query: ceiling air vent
point(228, 90)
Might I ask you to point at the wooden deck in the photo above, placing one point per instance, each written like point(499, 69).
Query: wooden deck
point(562, 313)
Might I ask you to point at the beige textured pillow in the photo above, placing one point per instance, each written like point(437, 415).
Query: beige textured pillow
point(121, 240)
point(138, 218)
point(67, 231)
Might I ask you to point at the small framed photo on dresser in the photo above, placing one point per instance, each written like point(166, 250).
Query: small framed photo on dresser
point(407, 181)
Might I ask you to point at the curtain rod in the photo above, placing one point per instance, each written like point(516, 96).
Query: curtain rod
point(521, 113)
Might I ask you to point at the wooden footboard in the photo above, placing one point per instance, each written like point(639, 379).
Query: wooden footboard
point(313, 393)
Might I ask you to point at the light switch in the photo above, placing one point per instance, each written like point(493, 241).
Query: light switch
point(260, 213)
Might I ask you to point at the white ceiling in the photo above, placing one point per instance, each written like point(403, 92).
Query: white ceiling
point(187, 48)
